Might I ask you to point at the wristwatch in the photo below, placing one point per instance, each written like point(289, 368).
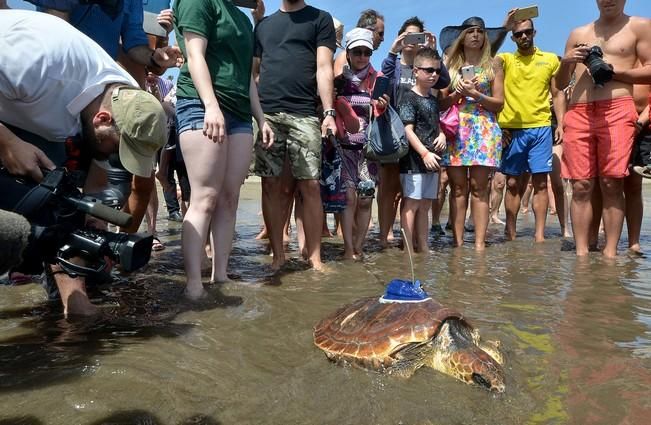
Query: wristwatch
point(329, 113)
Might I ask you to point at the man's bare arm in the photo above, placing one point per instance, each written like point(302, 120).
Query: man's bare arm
point(325, 76)
point(572, 56)
point(642, 74)
point(325, 84)
point(255, 70)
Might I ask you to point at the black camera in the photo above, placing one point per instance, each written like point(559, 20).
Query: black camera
point(57, 211)
point(600, 71)
point(366, 189)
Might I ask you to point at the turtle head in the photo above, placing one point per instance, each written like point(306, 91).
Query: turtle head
point(457, 354)
point(474, 366)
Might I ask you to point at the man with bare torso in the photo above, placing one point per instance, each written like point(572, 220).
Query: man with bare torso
point(600, 123)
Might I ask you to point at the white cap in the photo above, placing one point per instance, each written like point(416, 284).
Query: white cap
point(359, 37)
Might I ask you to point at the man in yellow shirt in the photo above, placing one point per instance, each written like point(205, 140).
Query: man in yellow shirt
point(528, 80)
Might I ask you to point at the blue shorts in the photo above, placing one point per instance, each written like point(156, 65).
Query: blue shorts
point(420, 186)
point(530, 151)
point(190, 113)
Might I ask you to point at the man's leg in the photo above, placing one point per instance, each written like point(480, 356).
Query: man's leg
point(277, 195)
point(612, 191)
point(581, 213)
point(388, 195)
point(559, 190)
point(362, 221)
point(514, 191)
point(540, 203)
point(497, 195)
point(634, 210)
point(73, 293)
point(312, 219)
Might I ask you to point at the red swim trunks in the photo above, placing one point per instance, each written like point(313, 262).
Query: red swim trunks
point(598, 138)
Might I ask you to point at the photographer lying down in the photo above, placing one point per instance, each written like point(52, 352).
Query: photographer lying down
point(65, 103)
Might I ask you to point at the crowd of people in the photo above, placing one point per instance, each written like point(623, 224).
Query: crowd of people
point(264, 95)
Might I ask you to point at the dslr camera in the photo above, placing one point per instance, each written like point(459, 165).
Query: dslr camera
point(600, 71)
point(57, 210)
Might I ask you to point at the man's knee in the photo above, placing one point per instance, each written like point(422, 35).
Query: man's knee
point(513, 184)
point(539, 182)
point(582, 190)
point(310, 189)
point(611, 186)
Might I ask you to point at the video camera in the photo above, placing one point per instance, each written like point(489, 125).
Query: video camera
point(57, 210)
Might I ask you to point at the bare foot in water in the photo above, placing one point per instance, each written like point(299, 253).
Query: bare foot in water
point(277, 264)
point(263, 234)
point(495, 220)
point(195, 293)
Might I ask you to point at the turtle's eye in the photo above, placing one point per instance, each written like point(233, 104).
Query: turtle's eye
point(481, 381)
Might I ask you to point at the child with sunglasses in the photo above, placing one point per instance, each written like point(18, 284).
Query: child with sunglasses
point(419, 111)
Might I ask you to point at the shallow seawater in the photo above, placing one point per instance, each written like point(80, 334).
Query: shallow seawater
point(576, 335)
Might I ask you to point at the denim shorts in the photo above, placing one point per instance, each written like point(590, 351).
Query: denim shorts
point(190, 113)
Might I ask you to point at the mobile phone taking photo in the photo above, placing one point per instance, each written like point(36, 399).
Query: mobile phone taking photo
point(249, 4)
point(381, 87)
point(415, 38)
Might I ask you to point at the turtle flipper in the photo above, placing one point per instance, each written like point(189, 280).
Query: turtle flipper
point(409, 359)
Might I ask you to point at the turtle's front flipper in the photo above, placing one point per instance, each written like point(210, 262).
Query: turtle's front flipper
point(491, 347)
point(409, 359)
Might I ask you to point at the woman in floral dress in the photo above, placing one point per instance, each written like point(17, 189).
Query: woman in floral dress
point(476, 150)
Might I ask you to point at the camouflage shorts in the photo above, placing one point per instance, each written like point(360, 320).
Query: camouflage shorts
point(298, 139)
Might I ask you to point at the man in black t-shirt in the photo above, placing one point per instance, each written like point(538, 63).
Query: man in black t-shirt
point(293, 61)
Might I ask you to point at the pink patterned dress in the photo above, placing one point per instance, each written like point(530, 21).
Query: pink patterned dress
point(479, 139)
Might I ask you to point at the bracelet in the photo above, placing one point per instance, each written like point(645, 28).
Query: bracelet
point(152, 62)
point(427, 152)
point(481, 97)
point(329, 113)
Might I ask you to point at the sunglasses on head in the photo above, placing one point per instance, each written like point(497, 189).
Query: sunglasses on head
point(361, 52)
point(528, 32)
point(430, 70)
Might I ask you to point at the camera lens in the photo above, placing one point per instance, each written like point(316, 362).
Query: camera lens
point(600, 71)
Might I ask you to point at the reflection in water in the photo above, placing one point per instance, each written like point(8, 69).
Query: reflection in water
point(576, 336)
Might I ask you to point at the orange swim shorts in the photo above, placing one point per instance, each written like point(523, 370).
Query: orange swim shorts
point(598, 138)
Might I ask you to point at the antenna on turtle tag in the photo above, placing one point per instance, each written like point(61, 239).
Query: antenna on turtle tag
point(408, 246)
point(404, 291)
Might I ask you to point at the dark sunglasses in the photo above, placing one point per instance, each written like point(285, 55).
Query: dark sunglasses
point(362, 52)
point(430, 70)
point(528, 32)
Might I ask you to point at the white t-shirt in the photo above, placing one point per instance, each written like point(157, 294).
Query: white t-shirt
point(49, 72)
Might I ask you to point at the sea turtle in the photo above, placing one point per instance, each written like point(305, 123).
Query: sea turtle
point(398, 338)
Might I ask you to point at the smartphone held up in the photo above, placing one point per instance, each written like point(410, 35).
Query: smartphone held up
point(523, 13)
point(468, 72)
point(249, 4)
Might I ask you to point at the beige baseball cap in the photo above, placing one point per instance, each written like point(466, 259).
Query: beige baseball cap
point(142, 123)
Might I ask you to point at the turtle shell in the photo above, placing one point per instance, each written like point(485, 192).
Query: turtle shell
point(368, 333)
